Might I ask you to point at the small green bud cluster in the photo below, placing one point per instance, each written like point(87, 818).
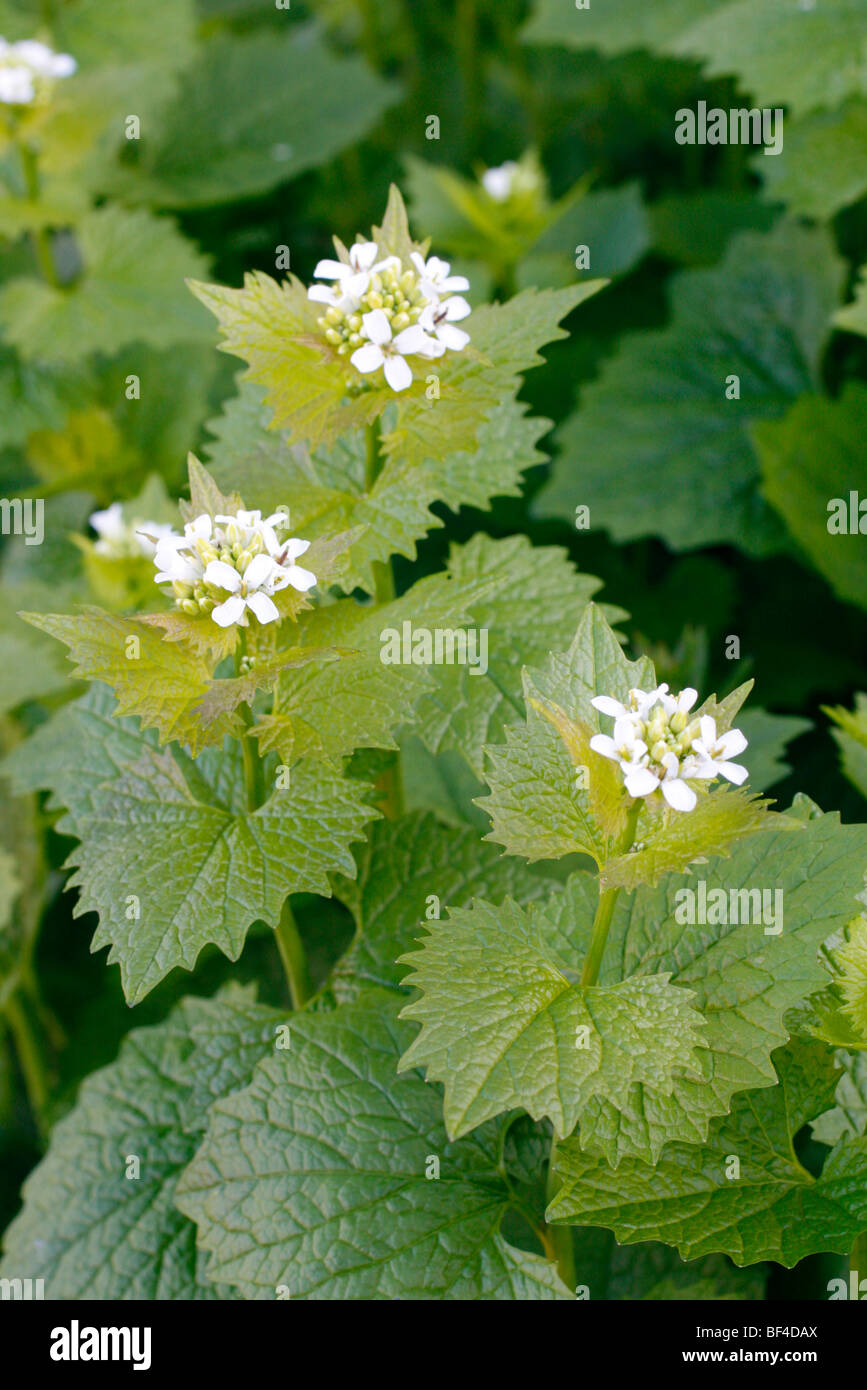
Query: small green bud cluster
point(397, 292)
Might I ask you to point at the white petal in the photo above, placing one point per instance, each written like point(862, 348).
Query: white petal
point(199, 528)
point(686, 699)
point(377, 327)
point(294, 547)
point(624, 729)
point(456, 309)
point(367, 358)
point(418, 261)
point(322, 294)
point(640, 781)
point(732, 743)
point(264, 607)
point(300, 578)
point(363, 254)
point(412, 339)
point(63, 65)
point(398, 373)
point(678, 795)
point(331, 270)
point(258, 571)
point(733, 772)
point(222, 576)
point(606, 705)
point(454, 282)
point(453, 338)
point(708, 730)
point(229, 612)
point(601, 743)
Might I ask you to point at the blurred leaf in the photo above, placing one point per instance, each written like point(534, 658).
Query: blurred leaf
point(853, 317)
point(656, 448)
point(768, 735)
point(823, 164)
point(254, 112)
point(812, 459)
point(131, 290)
point(616, 26)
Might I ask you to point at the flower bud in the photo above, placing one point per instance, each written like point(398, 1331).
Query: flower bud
point(190, 606)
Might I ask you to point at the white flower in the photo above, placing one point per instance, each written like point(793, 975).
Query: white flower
point(435, 277)
point(28, 68)
point(439, 319)
point(352, 279)
point(390, 353)
point(125, 540)
point(240, 555)
point(498, 182)
point(714, 753)
point(659, 749)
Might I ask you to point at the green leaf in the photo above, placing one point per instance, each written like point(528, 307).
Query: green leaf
point(849, 1114)
point(536, 602)
point(656, 448)
point(853, 317)
point(813, 459)
point(763, 43)
point(822, 167)
point(617, 26)
point(305, 1175)
point(327, 486)
point(611, 222)
point(256, 111)
point(408, 871)
point(131, 289)
point(851, 738)
point(747, 969)
point(164, 684)
point(170, 856)
point(537, 806)
point(90, 1228)
point(33, 397)
point(503, 1026)
point(772, 1210)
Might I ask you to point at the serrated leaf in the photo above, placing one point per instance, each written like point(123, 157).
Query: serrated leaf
point(407, 870)
point(360, 701)
point(534, 609)
point(849, 1113)
point(503, 1026)
point(305, 1175)
point(131, 289)
point(656, 448)
point(170, 856)
point(671, 842)
point(88, 1228)
point(214, 144)
point(851, 738)
point(538, 807)
point(163, 685)
point(813, 459)
point(773, 1209)
point(821, 167)
point(747, 969)
point(327, 487)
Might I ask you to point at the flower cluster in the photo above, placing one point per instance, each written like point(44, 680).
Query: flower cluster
point(660, 748)
point(230, 566)
point(125, 540)
point(27, 70)
point(382, 312)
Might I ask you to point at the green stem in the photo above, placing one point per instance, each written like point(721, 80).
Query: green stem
point(41, 238)
point(31, 1060)
point(557, 1240)
point(294, 958)
point(606, 905)
point(253, 767)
